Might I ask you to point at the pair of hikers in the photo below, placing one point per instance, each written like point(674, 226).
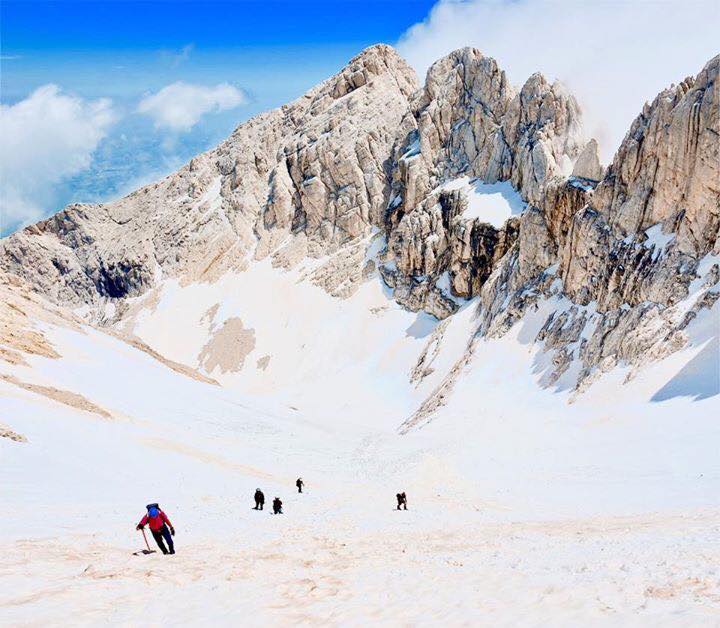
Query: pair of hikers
point(277, 503)
point(260, 502)
point(160, 527)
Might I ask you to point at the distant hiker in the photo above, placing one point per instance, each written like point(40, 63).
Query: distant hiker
point(277, 506)
point(160, 527)
point(402, 501)
point(259, 499)
point(299, 483)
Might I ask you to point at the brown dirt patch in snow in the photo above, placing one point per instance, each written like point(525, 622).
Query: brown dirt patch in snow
point(61, 396)
point(20, 309)
point(12, 357)
point(126, 313)
point(171, 364)
point(228, 347)
point(209, 316)
point(211, 458)
point(6, 432)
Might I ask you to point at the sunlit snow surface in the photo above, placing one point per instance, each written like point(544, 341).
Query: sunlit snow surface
point(524, 509)
point(492, 203)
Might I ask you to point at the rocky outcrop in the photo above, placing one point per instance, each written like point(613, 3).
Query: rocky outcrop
point(666, 169)
point(615, 269)
point(470, 121)
point(588, 165)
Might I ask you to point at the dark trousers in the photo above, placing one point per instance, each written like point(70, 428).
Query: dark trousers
point(259, 505)
point(159, 535)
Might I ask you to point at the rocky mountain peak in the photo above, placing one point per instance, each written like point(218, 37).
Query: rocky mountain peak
point(666, 169)
point(370, 63)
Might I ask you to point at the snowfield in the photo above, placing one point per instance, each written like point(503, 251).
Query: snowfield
point(526, 506)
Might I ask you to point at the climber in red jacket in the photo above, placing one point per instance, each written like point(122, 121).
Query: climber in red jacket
point(160, 527)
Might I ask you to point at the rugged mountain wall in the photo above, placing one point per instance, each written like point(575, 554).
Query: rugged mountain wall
point(317, 169)
point(636, 259)
point(620, 260)
point(471, 122)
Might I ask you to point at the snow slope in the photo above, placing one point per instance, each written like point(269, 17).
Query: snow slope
point(525, 508)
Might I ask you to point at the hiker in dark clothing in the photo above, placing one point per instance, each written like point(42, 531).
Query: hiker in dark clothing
point(259, 499)
point(299, 483)
point(160, 527)
point(277, 506)
point(402, 501)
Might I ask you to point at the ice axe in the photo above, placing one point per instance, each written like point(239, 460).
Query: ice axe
point(145, 551)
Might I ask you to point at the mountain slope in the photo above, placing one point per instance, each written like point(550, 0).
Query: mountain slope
point(522, 508)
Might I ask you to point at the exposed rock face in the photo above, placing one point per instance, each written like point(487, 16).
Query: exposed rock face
point(666, 169)
point(613, 258)
point(471, 121)
point(476, 247)
point(460, 113)
point(588, 165)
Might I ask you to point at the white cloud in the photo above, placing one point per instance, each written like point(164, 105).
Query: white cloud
point(613, 56)
point(45, 138)
point(181, 105)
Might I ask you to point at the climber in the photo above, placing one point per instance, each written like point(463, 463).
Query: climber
point(277, 506)
point(401, 500)
point(259, 499)
point(160, 527)
point(299, 483)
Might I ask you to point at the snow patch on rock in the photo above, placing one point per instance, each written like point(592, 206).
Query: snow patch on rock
point(492, 203)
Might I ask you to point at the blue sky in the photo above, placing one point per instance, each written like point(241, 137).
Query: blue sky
point(98, 98)
point(121, 48)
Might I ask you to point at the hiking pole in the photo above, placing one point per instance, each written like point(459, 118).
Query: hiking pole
point(146, 543)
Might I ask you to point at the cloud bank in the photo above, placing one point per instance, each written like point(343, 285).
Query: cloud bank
point(180, 106)
point(45, 138)
point(613, 56)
